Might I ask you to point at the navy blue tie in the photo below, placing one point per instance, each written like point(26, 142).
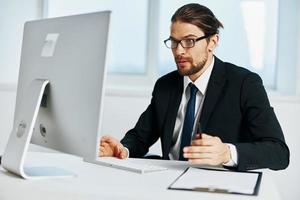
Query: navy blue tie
point(188, 121)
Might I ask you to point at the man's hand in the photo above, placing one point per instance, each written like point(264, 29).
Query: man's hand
point(207, 150)
point(111, 147)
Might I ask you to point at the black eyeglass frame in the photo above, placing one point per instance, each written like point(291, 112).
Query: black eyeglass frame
point(179, 41)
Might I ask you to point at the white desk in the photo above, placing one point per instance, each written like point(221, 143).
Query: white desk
point(99, 182)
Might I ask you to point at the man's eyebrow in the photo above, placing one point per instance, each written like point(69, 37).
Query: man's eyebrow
point(185, 37)
point(190, 35)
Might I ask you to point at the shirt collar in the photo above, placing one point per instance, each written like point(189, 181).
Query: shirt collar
point(202, 81)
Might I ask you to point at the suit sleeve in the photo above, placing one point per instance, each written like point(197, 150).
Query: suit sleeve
point(144, 134)
point(267, 148)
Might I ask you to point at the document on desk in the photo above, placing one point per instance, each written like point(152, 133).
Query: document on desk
point(218, 181)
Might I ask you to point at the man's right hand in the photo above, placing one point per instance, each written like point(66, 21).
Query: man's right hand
point(111, 147)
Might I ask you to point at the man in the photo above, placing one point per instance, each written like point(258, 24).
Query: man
point(208, 111)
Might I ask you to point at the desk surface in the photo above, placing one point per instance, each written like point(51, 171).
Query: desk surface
point(99, 182)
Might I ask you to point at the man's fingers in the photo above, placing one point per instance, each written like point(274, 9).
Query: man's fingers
point(108, 139)
point(123, 153)
point(108, 149)
point(203, 135)
point(198, 149)
point(104, 152)
point(110, 146)
point(198, 155)
point(203, 142)
point(206, 140)
point(208, 150)
point(118, 150)
point(100, 152)
point(105, 149)
point(104, 138)
point(105, 145)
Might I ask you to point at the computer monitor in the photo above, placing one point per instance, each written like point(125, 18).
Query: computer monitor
point(60, 88)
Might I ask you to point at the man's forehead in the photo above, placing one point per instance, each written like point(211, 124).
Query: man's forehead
point(183, 30)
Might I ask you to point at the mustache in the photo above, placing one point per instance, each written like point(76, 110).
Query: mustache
point(180, 58)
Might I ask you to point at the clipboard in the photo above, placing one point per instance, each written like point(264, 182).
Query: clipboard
point(218, 181)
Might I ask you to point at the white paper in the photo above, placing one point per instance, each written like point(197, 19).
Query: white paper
point(238, 182)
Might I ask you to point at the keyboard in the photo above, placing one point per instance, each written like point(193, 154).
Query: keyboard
point(128, 165)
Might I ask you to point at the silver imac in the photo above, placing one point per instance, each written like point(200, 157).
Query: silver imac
point(60, 89)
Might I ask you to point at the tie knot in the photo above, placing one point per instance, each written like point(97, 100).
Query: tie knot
point(193, 89)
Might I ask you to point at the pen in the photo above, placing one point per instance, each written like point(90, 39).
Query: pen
point(198, 131)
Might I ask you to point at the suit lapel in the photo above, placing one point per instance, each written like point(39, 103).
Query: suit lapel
point(214, 90)
point(174, 102)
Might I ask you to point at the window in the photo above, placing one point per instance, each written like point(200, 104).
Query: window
point(243, 41)
point(128, 32)
point(258, 34)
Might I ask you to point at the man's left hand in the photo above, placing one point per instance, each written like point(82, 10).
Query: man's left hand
point(207, 150)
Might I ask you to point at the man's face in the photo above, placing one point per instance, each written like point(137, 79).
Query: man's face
point(190, 61)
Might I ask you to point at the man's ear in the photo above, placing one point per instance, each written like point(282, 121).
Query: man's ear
point(213, 42)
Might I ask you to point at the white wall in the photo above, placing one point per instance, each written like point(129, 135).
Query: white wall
point(121, 111)
point(7, 105)
point(288, 181)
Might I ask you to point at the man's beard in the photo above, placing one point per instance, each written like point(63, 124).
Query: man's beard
point(194, 68)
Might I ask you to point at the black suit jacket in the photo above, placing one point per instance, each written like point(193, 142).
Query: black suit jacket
point(236, 109)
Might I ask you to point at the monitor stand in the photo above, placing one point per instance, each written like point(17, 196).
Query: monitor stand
point(18, 142)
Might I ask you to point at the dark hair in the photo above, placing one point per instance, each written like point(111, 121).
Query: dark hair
point(200, 16)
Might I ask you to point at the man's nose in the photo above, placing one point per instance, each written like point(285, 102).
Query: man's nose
point(179, 49)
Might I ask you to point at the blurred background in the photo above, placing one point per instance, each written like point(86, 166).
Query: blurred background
point(261, 35)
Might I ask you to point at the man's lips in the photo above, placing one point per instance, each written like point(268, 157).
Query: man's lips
point(181, 61)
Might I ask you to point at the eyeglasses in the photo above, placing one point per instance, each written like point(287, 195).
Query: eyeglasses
point(185, 43)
